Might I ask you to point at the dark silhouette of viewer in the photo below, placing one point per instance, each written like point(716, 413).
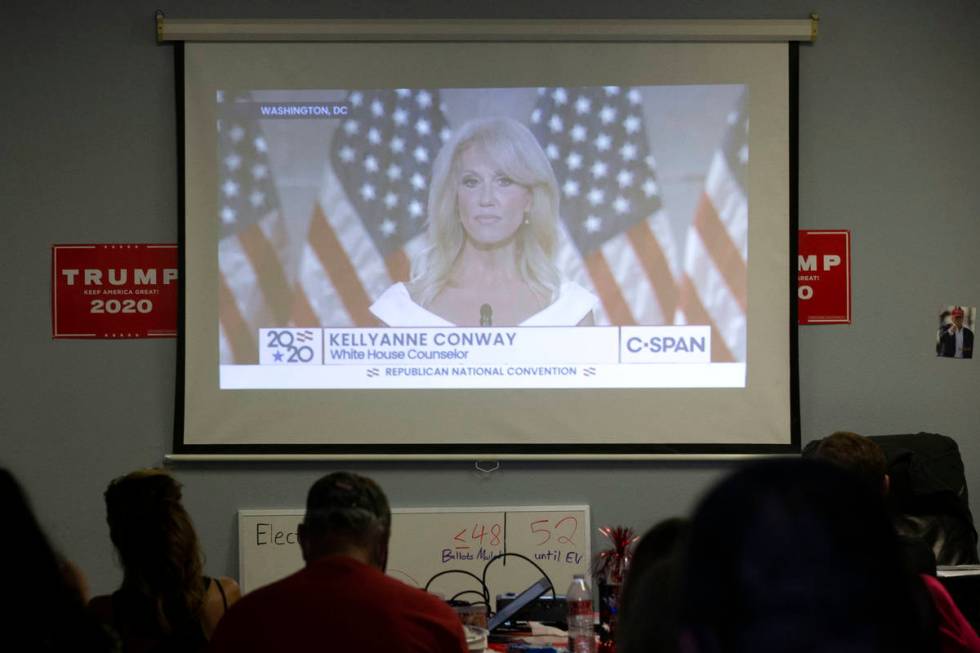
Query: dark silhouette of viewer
point(862, 457)
point(165, 603)
point(649, 606)
point(342, 600)
point(43, 608)
point(797, 555)
point(866, 461)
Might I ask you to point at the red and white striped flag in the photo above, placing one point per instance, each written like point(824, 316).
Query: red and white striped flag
point(370, 218)
point(714, 286)
point(254, 288)
point(618, 242)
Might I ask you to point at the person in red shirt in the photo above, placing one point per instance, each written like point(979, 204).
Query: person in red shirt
point(341, 600)
point(956, 635)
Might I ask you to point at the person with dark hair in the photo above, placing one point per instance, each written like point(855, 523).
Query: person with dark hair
point(166, 603)
point(44, 608)
point(862, 457)
point(857, 454)
point(648, 619)
point(342, 600)
point(798, 555)
point(662, 543)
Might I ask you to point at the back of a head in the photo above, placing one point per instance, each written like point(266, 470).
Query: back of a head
point(657, 546)
point(661, 541)
point(797, 555)
point(345, 509)
point(44, 609)
point(157, 544)
point(648, 602)
point(857, 454)
point(35, 559)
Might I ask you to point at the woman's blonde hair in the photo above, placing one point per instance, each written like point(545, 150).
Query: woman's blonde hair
point(515, 150)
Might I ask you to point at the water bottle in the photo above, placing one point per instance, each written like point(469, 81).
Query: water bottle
point(581, 633)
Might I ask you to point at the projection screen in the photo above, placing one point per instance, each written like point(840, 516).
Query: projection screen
point(538, 248)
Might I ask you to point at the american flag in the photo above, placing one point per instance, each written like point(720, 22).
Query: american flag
point(618, 239)
point(714, 286)
point(370, 217)
point(253, 285)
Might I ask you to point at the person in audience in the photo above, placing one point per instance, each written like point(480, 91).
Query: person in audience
point(341, 600)
point(857, 454)
point(44, 608)
point(663, 541)
point(165, 603)
point(862, 457)
point(648, 606)
point(956, 634)
point(798, 555)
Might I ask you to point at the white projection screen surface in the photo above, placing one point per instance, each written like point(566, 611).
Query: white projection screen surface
point(519, 248)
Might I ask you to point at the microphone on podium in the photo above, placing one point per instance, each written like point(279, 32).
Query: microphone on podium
point(486, 315)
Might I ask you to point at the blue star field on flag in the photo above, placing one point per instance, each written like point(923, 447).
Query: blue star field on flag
point(597, 144)
point(383, 153)
point(735, 147)
point(246, 191)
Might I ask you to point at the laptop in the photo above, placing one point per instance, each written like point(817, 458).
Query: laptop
point(521, 600)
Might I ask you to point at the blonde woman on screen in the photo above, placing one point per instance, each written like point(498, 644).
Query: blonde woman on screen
point(493, 235)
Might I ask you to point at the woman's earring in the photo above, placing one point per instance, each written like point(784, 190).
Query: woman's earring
point(527, 218)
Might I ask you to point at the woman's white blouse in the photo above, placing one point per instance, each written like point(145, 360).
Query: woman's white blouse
point(396, 309)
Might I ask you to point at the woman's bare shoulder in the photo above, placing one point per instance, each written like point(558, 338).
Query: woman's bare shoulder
point(214, 607)
point(232, 591)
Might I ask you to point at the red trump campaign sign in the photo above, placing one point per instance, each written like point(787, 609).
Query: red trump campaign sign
point(823, 277)
point(113, 291)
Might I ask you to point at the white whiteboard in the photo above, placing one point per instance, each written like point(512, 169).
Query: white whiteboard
point(427, 541)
